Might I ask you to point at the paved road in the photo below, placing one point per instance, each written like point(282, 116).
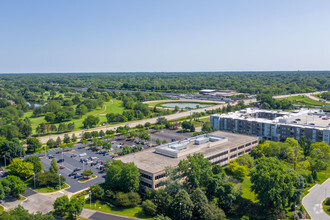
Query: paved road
point(44, 139)
point(94, 215)
point(313, 201)
point(297, 94)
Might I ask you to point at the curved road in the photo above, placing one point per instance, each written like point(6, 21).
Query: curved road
point(44, 139)
point(313, 201)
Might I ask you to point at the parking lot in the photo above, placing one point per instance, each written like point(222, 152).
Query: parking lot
point(71, 163)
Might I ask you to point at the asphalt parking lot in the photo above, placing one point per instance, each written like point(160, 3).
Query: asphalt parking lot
point(74, 162)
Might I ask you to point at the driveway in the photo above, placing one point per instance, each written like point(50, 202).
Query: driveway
point(313, 201)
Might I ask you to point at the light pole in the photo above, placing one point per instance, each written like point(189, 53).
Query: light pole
point(83, 166)
point(90, 199)
point(34, 179)
point(59, 180)
point(180, 210)
point(45, 151)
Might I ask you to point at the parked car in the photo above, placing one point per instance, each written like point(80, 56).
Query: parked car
point(83, 160)
point(58, 152)
point(62, 167)
point(77, 176)
point(50, 156)
point(73, 173)
point(93, 163)
point(102, 162)
point(82, 155)
point(73, 155)
point(60, 160)
point(76, 169)
point(105, 154)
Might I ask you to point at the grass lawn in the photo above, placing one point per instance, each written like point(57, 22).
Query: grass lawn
point(114, 106)
point(246, 190)
point(21, 198)
point(326, 208)
point(29, 182)
point(303, 100)
point(1, 209)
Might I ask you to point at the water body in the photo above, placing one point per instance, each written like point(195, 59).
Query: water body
point(185, 105)
point(36, 104)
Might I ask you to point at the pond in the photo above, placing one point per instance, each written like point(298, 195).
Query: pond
point(185, 105)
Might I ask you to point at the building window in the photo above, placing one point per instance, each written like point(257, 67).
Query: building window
point(240, 147)
point(146, 176)
point(247, 144)
point(160, 176)
point(232, 156)
point(157, 185)
point(234, 149)
point(145, 184)
point(254, 142)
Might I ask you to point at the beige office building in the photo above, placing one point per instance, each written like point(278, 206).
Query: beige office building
point(219, 147)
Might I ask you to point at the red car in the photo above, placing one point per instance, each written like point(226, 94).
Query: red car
point(62, 167)
point(102, 162)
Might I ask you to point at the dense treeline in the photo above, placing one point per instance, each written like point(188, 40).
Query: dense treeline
point(246, 82)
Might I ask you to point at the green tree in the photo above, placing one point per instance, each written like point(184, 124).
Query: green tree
point(74, 138)
point(199, 200)
point(58, 141)
point(245, 160)
point(37, 163)
point(9, 131)
point(51, 143)
point(2, 192)
point(75, 207)
point(158, 141)
point(97, 191)
point(53, 166)
point(20, 168)
point(91, 121)
point(12, 149)
point(33, 144)
point(66, 139)
point(197, 171)
point(238, 171)
point(149, 208)
point(207, 127)
point(50, 117)
point(272, 183)
point(87, 172)
point(81, 110)
point(182, 206)
point(13, 186)
point(61, 205)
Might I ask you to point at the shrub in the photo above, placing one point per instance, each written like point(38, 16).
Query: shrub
point(327, 201)
point(130, 199)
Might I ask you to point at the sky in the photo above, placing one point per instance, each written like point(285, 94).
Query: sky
point(38, 36)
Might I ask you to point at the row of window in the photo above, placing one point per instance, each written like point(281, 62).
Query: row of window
point(160, 176)
point(218, 155)
point(146, 176)
point(146, 184)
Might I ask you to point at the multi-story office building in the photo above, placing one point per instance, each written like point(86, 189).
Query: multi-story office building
point(218, 147)
point(314, 124)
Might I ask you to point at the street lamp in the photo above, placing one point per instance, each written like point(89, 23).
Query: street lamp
point(34, 179)
point(90, 199)
point(180, 210)
point(59, 179)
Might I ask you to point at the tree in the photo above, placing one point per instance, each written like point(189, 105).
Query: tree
point(53, 166)
point(49, 179)
point(50, 117)
point(20, 168)
point(245, 160)
point(13, 186)
point(101, 133)
point(158, 141)
point(182, 206)
point(272, 183)
point(75, 207)
point(74, 138)
point(58, 141)
point(81, 110)
point(199, 200)
point(66, 139)
point(207, 127)
point(91, 121)
point(9, 131)
point(225, 192)
point(97, 191)
point(149, 208)
point(37, 163)
point(51, 143)
point(12, 149)
point(61, 205)
point(41, 129)
point(122, 177)
point(2, 192)
point(197, 170)
point(238, 171)
point(33, 144)
point(20, 213)
point(161, 217)
point(87, 172)
point(164, 141)
point(130, 199)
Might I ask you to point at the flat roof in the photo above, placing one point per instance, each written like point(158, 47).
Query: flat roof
point(150, 161)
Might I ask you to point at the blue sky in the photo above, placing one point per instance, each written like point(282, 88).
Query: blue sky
point(163, 35)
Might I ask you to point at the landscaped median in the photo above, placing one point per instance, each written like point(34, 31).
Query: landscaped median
point(103, 206)
point(46, 189)
point(83, 180)
point(326, 205)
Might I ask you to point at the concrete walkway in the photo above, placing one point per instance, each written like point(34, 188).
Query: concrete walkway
point(313, 200)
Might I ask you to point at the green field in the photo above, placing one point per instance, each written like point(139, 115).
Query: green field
point(246, 190)
point(303, 100)
point(114, 106)
point(49, 189)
